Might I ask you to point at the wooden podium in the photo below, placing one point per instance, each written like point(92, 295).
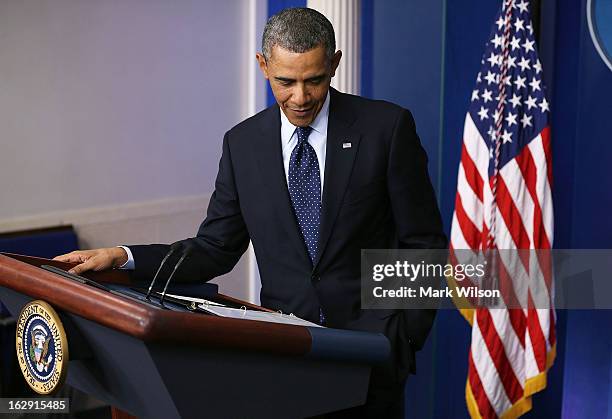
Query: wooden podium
point(157, 363)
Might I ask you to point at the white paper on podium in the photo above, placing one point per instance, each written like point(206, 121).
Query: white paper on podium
point(264, 316)
point(195, 300)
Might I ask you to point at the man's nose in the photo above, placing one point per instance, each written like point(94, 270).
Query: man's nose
point(300, 94)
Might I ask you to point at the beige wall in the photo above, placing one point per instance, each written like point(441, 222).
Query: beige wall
point(112, 114)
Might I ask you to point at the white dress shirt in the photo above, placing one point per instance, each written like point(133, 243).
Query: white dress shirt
point(317, 139)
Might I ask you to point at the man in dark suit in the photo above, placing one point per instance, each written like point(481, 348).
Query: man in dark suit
point(311, 181)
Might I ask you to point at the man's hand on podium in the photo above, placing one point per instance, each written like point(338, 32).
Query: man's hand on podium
point(95, 259)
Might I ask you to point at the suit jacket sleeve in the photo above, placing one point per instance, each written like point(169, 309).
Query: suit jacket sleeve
point(222, 237)
point(415, 211)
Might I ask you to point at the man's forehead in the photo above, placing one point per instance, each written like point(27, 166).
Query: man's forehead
point(279, 53)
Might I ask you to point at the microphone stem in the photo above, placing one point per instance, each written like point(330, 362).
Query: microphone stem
point(163, 294)
point(172, 250)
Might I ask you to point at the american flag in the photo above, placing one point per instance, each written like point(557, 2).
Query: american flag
point(504, 201)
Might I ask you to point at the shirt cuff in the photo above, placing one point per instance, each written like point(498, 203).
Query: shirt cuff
point(129, 265)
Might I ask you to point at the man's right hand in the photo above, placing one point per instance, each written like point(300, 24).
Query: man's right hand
point(95, 259)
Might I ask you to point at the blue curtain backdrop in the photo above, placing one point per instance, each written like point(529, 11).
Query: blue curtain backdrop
point(424, 51)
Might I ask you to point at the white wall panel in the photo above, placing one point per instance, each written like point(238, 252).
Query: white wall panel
point(111, 101)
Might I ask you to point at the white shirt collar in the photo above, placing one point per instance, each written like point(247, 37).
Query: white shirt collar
point(319, 124)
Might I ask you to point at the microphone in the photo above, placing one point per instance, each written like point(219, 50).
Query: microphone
point(173, 248)
point(187, 250)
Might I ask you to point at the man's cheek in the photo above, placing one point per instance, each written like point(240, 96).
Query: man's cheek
point(282, 97)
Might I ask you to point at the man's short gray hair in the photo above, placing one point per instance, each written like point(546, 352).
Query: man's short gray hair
point(298, 30)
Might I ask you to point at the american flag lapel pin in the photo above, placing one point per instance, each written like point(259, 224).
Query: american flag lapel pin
point(347, 145)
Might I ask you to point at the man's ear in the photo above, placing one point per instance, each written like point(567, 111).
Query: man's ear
point(335, 61)
point(263, 65)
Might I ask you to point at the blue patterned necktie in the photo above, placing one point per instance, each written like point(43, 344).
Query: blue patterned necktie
point(305, 190)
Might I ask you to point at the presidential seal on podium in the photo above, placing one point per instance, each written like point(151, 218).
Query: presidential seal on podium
point(42, 347)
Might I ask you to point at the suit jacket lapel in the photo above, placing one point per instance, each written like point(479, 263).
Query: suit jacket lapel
point(339, 160)
point(267, 149)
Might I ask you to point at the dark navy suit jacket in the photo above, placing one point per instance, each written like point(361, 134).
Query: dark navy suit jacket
point(377, 194)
